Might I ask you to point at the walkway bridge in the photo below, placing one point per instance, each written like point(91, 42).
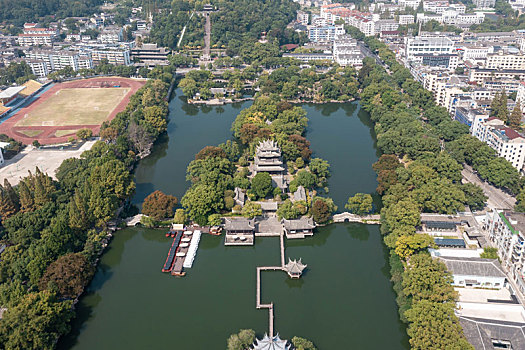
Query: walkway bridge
point(365, 219)
point(134, 220)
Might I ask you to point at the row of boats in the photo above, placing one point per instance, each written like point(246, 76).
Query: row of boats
point(182, 251)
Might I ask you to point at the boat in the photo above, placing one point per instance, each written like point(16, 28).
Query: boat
point(171, 254)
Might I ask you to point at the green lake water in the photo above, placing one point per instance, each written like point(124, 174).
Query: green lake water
point(343, 301)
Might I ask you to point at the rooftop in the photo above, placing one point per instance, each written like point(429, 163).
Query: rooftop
point(239, 223)
point(11, 91)
point(482, 333)
point(473, 266)
point(273, 343)
point(303, 223)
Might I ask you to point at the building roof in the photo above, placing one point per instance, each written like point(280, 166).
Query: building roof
point(303, 223)
point(449, 242)
point(273, 343)
point(239, 195)
point(239, 224)
point(268, 206)
point(473, 266)
point(31, 87)
point(300, 194)
point(482, 332)
point(11, 91)
point(294, 266)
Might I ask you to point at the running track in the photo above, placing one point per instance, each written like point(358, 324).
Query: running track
point(47, 136)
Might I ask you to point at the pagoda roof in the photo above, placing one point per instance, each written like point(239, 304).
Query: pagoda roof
point(268, 145)
point(239, 224)
point(303, 223)
point(271, 343)
point(294, 266)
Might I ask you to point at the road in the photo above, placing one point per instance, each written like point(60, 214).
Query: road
point(496, 197)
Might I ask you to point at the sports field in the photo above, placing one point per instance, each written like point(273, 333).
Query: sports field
point(64, 108)
point(75, 106)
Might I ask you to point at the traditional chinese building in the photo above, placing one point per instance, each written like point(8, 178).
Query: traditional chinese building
point(294, 268)
point(271, 343)
point(298, 228)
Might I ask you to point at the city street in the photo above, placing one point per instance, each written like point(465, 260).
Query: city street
point(496, 197)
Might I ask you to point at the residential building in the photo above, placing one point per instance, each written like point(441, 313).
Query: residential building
point(385, 25)
point(505, 61)
point(325, 33)
point(414, 4)
point(307, 57)
point(468, 115)
point(506, 231)
point(38, 67)
point(118, 57)
point(405, 19)
point(418, 45)
point(478, 75)
point(484, 4)
point(298, 228)
point(505, 141)
point(303, 17)
point(347, 51)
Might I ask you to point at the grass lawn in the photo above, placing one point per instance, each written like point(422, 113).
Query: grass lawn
point(60, 133)
point(30, 133)
point(75, 107)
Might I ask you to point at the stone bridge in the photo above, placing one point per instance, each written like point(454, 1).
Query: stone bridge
point(134, 220)
point(348, 217)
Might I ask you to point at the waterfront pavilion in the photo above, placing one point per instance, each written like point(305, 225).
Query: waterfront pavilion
point(294, 268)
point(273, 343)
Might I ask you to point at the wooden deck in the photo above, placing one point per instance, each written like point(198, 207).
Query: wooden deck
point(258, 303)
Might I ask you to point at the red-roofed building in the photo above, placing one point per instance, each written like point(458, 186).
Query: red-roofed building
point(507, 142)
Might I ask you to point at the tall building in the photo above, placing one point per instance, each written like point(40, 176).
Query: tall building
point(268, 159)
point(418, 45)
point(507, 231)
point(484, 4)
point(325, 33)
point(507, 143)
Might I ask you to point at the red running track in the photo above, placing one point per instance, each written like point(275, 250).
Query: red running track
point(47, 136)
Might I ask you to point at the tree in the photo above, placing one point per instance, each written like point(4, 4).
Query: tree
point(498, 107)
point(303, 178)
point(428, 279)
point(159, 205)
point(408, 245)
point(84, 134)
point(287, 210)
point(156, 118)
point(67, 276)
point(474, 195)
point(109, 134)
point(303, 344)
point(251, 210)
point(241, 340)
point(214, 220)
point(201, 200)
point(489, 253)
point(36, 322)
point(79, 216)
point(210, 152)
point(180, 216)
point(322, 209)
point(262, 184)
point(435, 326)
point(8, 201)
point(515, 116)
point(360, 204)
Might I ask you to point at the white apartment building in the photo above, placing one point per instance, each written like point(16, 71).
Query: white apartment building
point(385, 25)
point(505, 141)
point(521, 94)
point(475, 52)
point(347, 51)
point(35, 39)
point(507, 231)
point(303, 17)
point(409, 3)
point(118, 57)
point(478, 75)
point(484, 4)
point(406, 19)
point(435, 6)
point(505, 61)
point(418, 45)
point(325, 33)
point(55, 60)
point(39, 68)
point(110, 36)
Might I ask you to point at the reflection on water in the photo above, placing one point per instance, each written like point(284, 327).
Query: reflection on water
point(344, 296)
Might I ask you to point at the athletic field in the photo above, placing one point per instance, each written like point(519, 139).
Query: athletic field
point(58, 113)
point(78, 106)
